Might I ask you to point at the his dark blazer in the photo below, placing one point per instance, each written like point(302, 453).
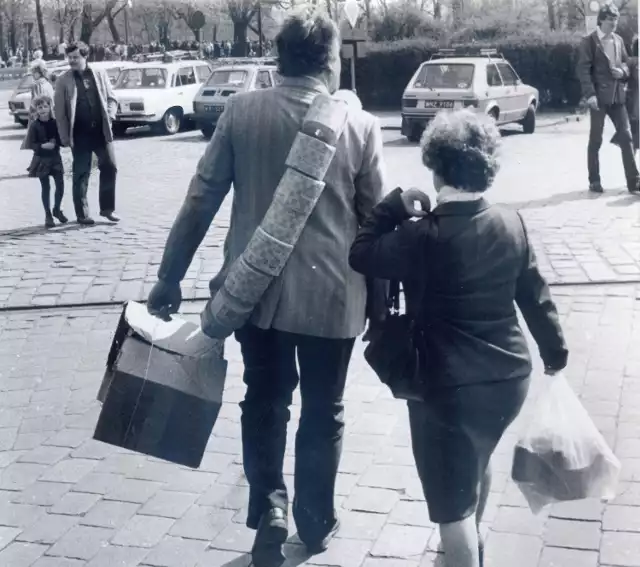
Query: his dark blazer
point(473, 262)
point(594, 70)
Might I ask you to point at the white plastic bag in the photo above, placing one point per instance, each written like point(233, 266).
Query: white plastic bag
point(562, 456)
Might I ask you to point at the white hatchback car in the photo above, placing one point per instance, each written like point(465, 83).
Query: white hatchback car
point(158, 94)
point(21, 98)
point(481, 80)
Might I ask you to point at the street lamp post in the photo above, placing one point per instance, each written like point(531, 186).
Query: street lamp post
point(259, 29)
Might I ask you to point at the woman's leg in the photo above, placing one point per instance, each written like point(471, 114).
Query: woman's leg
point(485, 488)
point(460, 543)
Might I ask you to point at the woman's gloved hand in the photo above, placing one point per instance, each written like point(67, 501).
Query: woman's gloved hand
point(164, 299)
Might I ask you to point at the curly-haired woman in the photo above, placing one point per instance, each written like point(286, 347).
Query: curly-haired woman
point(464, 267)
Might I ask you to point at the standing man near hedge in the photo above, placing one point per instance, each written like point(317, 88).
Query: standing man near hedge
point(603, 71)
point(85, 107)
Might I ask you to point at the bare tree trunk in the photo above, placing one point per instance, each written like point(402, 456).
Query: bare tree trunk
point(551, 12)
point(113, 28)
point(1, 34)
point(41, 31)
point(13, 40)
point(240, 38)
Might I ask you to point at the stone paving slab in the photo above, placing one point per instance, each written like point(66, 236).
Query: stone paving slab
point(69, 501)
point(579, 238)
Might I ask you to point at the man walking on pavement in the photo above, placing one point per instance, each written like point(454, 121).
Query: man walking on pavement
point(312, 311)
point(85, 107)
point(603, 71)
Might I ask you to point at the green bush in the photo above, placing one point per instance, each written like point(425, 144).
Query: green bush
point(547, 62)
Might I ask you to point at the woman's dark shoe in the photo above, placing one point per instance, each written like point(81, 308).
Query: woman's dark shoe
point(48, 222)
point(86, 221)
point(272, 532)
point(320, 546)
point(596, 187)
point(60, 216)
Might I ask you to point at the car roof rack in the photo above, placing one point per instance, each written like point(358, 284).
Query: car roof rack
point(467, 51)
point(245, 61)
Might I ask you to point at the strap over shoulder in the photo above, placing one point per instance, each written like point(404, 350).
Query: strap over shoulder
point(272, 243)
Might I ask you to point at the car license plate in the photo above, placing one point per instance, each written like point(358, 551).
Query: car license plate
point(438, 104)
point(217, 108)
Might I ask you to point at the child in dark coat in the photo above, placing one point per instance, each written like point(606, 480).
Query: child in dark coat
point(44, 140)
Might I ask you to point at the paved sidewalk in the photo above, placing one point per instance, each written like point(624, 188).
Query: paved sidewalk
point(68, 501)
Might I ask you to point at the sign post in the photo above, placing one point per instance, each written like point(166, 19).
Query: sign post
point(591, 15)
point(352, 38)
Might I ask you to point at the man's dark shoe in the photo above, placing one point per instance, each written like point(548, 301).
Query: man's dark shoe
point(635, 188)
point(48, 222)
point(60, 216)
point(272, 532)
point(86, 221)
point(320, 546)
point(596, 188)
point(110, 216)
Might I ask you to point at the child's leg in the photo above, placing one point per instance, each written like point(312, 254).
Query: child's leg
point(46, 194)
point(58, 180)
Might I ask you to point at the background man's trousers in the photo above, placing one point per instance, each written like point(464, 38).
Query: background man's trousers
point(271, 377)
point(620, 119)
point(82, 158)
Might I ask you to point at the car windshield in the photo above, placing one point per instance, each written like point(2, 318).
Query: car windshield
point(113, 74)
point(445, 76)
point(145, 78)
point(228, 77)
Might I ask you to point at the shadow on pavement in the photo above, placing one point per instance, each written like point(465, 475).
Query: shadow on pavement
point(582, 195)
point(194, 139)
point(40, 229)
point(14, 176)
point(16, 136)
point(626, 201)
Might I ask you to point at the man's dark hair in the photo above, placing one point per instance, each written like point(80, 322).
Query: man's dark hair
point(80, 46)
point(608, 10)
point(304, 45)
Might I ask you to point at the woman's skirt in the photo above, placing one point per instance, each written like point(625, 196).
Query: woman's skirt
point(43, 166)
point(453, 436)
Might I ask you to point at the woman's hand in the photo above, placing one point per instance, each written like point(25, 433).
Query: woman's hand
point(48, 146)
point(409, 199)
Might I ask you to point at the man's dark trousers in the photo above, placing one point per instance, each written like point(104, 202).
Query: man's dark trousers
point(271, 377)
point(620, 119)
point(83, 150)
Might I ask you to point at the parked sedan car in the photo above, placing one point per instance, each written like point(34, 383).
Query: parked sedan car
point(237, 76)
point(158, 94)
point(21, 98)
point(481, 80)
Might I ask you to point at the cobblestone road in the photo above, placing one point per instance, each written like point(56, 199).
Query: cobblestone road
point(69, 501)
point(578, 238)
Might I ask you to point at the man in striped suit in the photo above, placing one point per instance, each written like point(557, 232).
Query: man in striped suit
point(315, 308)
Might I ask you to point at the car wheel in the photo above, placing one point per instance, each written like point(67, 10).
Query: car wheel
point(171, 122)
point(415, 133)
point(23, 123)
point(207, 131)
point(529, 121)
point(495, 114)
point(119, 130)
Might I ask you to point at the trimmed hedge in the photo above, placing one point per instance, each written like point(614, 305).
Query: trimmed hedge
point(547, 63)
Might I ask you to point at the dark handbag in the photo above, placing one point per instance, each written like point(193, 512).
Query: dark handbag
point(396, 350)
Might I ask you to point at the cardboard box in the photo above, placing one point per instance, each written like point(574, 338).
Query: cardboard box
point(162, 389)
